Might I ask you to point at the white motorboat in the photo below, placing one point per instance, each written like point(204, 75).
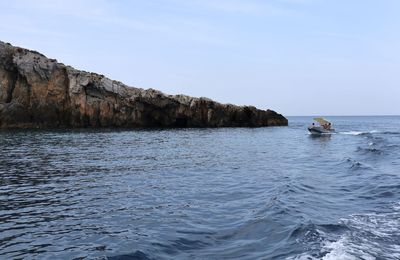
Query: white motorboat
point(324, 127)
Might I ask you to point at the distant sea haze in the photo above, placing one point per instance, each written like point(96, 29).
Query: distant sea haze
point(211, 193)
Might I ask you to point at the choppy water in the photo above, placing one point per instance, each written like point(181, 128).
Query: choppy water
point(250, 193)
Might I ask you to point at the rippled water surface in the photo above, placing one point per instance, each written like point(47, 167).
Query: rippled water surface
point(249, 193)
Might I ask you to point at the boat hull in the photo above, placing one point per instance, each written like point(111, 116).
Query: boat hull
point(319, 130)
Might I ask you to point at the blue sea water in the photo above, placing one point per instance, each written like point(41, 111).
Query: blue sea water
point(222, 193)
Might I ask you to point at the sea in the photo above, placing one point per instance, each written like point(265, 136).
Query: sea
point(210, 193)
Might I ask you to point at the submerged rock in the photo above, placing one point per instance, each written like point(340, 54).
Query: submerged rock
point(39, 92)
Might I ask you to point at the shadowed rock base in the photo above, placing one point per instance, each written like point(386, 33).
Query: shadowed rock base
point(39, 92)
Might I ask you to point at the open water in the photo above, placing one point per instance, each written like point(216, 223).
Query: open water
point(227, 193)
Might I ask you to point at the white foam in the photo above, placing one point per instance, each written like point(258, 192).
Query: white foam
point(359, 132)
point(396, 206)
point(352, 133)
point(344, 250)
point(370, 236)
point(379, 226)
point(304, 256)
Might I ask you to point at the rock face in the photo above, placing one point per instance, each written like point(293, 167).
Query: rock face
point(39, 92)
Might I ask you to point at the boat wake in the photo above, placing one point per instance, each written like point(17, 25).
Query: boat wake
point(365, 236)
point(358, 132)
point(369, 132)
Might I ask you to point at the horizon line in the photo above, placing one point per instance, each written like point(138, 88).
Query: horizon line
point(337, 115)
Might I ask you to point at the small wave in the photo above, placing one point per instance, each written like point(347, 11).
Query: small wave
point(392, 146)
point(391, 133)
point(138, 255)
point(313, 232)
point(369, 150)
point(355, 165)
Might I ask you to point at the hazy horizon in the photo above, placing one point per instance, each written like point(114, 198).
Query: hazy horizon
point(297, 57)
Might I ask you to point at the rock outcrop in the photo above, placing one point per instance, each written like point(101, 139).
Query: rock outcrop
point(39, 92)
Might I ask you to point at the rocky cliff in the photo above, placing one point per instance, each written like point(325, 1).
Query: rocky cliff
point(39, 92)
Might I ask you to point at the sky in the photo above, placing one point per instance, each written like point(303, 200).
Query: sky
point(297, 57)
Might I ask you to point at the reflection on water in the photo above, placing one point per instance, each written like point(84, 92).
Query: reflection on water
point(322, 137)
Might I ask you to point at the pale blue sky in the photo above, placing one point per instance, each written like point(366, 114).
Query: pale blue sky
point(298, 57)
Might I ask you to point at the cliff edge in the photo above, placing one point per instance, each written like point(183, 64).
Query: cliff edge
point(36, 91)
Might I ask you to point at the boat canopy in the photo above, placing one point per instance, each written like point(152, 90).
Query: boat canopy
point(321, 120)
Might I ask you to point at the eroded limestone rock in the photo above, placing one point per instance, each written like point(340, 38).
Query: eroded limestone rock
point(39, 92)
